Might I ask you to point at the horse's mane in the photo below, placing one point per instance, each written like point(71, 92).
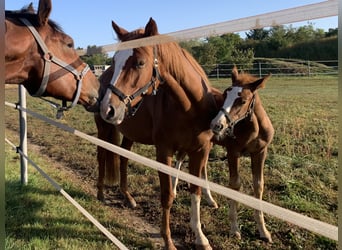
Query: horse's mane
point(29, 14)
point(176, 54)
point(168, 50)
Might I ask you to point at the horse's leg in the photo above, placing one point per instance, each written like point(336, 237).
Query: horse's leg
point(166, 196)
point(234, 183)
point(101, 153)
point(102, 134)
point(197, 161)
point(258, 160)
point(127, 144)
point(107, 160)
point(207, 194)
point(206, 191)
point(179, 162)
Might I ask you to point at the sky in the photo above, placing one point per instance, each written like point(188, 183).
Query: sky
point(89, 22)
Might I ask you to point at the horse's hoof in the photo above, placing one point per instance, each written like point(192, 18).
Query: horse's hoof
point(267, 239)
point(235, 235)
point(214, 205)
point(100, 197)
point(170, 246)
point(203, 247)
point(131, 203)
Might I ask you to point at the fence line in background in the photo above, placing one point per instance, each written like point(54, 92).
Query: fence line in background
point(294, 68)
point(284, 68)
point(300, 220)
point(303, 13)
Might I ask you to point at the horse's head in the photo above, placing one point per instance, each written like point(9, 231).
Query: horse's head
point(135, 74)
point(239, 101)
point(42, 57)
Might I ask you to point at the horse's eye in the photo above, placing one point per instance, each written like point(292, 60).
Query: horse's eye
point(70, 45)
point(140, 64)
point(229, 88)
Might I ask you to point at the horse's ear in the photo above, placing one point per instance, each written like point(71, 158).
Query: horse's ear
point(120, 32)
point(30, 8)
point(44, 11)
point(151, 28)
point(235, 74)
point(260, 83)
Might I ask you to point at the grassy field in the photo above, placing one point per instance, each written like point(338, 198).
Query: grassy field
point(300, 174)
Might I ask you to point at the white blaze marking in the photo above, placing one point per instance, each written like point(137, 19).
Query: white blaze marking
point(232, 95)
point(227, 106)
point(120, 59)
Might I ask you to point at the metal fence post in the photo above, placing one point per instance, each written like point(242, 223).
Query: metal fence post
point(23, 135)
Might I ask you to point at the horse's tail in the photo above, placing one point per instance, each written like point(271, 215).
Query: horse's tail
point(109, 162)
point(112, 168)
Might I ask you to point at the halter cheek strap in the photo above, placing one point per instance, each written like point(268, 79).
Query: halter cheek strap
point(231, 124)
point(48, 58)
point(127, 99)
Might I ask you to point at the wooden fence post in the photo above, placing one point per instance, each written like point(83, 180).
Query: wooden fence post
point(23, 135)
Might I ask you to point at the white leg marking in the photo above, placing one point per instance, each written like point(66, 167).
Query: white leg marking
point(195, 221)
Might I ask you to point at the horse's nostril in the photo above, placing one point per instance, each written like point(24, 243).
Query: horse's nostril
point(110, 112)
point(217, 127)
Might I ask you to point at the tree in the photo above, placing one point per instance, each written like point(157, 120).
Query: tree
point(257, 34)
point(95, 56)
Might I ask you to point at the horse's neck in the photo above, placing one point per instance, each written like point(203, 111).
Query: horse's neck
point(260, 113)
point(191, 92)
point(193, 96)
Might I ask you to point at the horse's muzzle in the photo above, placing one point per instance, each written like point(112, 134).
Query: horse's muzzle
point(93, 105)
point(113, 115)
point(216, 128)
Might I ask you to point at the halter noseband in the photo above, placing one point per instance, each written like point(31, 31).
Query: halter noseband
point(231, 124)
point(48, 58)
point(127, 99)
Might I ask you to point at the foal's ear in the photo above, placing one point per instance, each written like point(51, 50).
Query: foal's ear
point(260, 83)
point(235, 74)
point(120, 32)
point(151, 28)
point(44, 11)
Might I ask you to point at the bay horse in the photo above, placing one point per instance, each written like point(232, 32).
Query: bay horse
point(179, 115)
point(242, 125)
point(41, 57)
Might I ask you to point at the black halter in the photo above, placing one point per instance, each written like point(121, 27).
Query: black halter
point(48, 57)
point(229, 131)
point(127, 99)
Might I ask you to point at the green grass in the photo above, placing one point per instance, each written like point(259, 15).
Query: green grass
point(300, 174)
point(39, 217)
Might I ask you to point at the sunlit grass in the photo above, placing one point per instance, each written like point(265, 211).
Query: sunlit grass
point(300, 172)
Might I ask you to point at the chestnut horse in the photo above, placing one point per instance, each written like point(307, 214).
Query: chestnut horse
point(42, 58)
point(242, 125)
point(179, 115)
point(112, 166)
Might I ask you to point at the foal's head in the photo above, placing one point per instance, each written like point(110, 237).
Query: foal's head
point(239, 101)
point(39, 55)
